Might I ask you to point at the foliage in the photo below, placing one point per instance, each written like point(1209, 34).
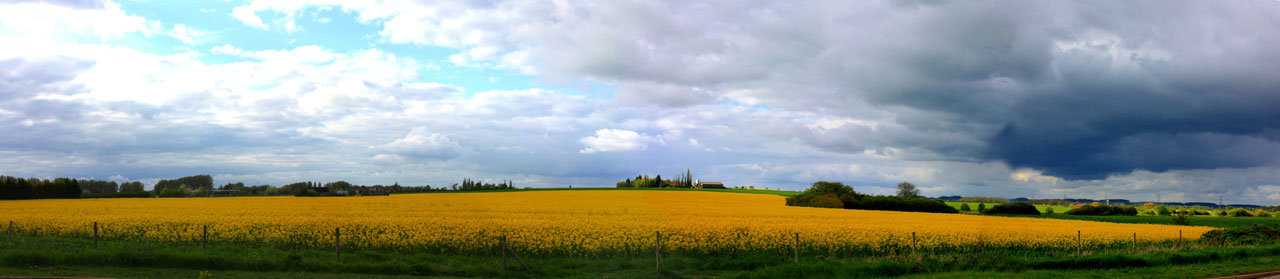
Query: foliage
point(128, 187)
point(143, 194)
point(908, 190)
point(569, 223)
point(1251, 235)
point(1023, 208)
point(823, 200)
point(1163, 210)
point(982, 207)
point(983, 199)
point(1239, 212)
point(1261, 213)
point(895, 203)
point(1049, 211)
point(1181, 219)
point(1102, 209)
point(13, 188)
point(190, 182)
point(965, 207)
point(684, 180)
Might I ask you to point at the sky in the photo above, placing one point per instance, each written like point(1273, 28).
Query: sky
point(1078, 99)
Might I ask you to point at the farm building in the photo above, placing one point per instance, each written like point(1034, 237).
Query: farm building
point(710, 185)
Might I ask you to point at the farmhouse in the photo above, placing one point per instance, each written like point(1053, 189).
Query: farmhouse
point(710, 185)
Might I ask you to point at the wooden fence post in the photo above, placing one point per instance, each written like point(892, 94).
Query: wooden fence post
point(1078, 244)
point(797, 255)
point(8, 236)
point(657, 251)
point(337, 244)
point(517, 256)
point(913, 243)
point(1135, 243)
point(503, 247)
point(95, 235)
point(204, 239)
point(1179, 239)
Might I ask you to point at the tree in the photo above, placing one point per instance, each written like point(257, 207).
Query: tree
point(965, 207)
point(908, 190)
point(982, 207)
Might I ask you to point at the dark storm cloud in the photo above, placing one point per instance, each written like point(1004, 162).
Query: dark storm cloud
point(1082, 90)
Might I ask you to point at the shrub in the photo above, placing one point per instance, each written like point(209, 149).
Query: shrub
point(1163, 210)
point(894, 203)
point(117, 195)
point(1049, 211)
point(1103, 210)
point(1239, 212)
point(823, 201)
point(1013, 208)
point(983, 199)
point(965, 207)
point(1181, 219)
point(1257, 234)
point(982, 207)
point(1261, 213)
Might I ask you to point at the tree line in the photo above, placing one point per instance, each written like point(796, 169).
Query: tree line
point(643, 181)
point(17, 188)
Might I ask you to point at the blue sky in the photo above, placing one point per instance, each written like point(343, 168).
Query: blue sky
point(1077, 99)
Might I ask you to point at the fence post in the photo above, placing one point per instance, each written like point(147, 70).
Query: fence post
point(8, 236)
point(1135, 243)
point(95, 235)
point(913, 243)
point(797, 259)
point(657, 251)
point(337, 244)
point(517, 256)
point(1179, 239)
point(204, 239)
point(504, 252)
point(1078, 244)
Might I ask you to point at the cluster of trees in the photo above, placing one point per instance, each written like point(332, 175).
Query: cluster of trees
point(195, 185)
point(1102, 209)
point(472, 185)
point(1018, 208)
point(16, 188)
point(643, 181)
point(983, 199)
point(837, 195)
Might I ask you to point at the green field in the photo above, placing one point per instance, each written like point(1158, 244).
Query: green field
point(1042, 208)
point(58, 256)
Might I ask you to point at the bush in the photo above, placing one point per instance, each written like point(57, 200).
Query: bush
point(117, 195)
point(1261, 213)
point(1239, 212)
point(1103, 210)
point(965, 207)
point(1014, 208)
point(1048, 211)
point(1257, 234)
point(837, 195)
point(823, 201)
point(894, 203)
point(982, 207)
point(1181, 219)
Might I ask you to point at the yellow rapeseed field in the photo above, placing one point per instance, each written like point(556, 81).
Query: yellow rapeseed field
point(556, 222)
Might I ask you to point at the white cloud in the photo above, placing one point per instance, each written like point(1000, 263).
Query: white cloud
point(248, 16)
point(606, 140)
